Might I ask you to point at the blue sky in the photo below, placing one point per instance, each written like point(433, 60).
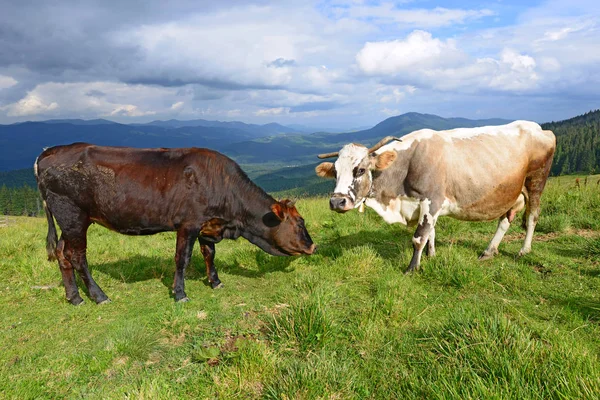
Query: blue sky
point(335, 64)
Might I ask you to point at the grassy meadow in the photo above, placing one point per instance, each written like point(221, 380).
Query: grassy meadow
point(343, 323)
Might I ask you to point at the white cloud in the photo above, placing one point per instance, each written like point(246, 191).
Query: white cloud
point(30, 105)
point(7, 81)
point(177, 106)
point(418, 50)
point(90, 100)
point(129, 110)
point(395, 94)
point(423, 61)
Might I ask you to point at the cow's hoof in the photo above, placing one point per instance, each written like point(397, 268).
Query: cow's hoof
point(216, 285)
point(523, 252)
point(76, 301)
point(487, 255)
point(106, 301)
point(184, 300)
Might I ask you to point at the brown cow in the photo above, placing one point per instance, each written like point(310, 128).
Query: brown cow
point(473, 174)
point(201, 194)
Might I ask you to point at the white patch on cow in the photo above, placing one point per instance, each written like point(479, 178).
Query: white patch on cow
point(448, 207)
point(35, 167)
point(401, 210)
point(350, 156)
point(424, 212)
point(417, 240)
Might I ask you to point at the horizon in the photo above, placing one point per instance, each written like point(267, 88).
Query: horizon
point(339, 64)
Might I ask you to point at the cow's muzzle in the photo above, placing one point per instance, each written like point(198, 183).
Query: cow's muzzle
point(340, 203)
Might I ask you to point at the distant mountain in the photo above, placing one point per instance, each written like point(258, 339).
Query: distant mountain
point(256, 130)
point(311, 129)
point(302, 149)
point(21, 143)
point(79, 121)
point(250, 144)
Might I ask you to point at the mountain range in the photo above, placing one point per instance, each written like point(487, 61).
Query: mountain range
point(272, 143)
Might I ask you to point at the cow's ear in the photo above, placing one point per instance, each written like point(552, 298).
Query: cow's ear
point(279, 210)
point(385, 159)
point(325, 170)
point(277, 214)
point(190, 176)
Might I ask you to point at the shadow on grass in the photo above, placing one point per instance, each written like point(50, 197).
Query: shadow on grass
point(389, 243)
point(142, 268)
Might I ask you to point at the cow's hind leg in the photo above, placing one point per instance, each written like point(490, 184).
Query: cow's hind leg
point(208, 251)
point(68, 275)
point(183, 255)
point(535, 186)
point(421, 236)
point(430, 249)
point(71, 250)
point(71, 253)
point(503, 225)
point(79, 261)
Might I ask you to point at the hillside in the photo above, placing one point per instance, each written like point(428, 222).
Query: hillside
point(578, 144)
point(302, 149)
point(21, 143)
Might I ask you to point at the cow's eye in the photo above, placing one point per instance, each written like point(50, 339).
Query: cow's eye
point(360, 172)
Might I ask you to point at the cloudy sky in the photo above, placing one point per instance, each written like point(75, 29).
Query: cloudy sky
point(336, 64)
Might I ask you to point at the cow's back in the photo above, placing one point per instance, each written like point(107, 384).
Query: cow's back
point(120, 187)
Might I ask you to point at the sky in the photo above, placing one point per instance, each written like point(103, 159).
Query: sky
point(337, 64)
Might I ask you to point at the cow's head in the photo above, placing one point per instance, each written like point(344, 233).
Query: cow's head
point(288, 233)
point(353, 172)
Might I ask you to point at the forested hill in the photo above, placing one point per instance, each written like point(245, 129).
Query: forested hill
point(577, 144)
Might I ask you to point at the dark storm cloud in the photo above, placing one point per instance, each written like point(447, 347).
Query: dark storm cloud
point(216, 83)
point(95, 93)
point(66, 41)
point(282, 62)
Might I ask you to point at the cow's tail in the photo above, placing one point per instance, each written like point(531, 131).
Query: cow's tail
point(52, 237)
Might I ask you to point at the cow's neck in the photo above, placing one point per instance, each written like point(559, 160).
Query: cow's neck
point(390, 183)
point(247, 206)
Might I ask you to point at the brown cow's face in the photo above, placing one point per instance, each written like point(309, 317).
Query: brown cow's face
point(288, 231)
point(353, 173)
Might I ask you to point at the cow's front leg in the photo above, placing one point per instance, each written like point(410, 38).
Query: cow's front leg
point(208, 251)
point(183, 255)
point(430, 249)
point(422, 234)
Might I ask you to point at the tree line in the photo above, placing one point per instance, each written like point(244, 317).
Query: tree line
point(577, 144)
point(20, 201)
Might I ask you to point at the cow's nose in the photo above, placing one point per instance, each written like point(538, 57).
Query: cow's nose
point(312, 249)
point(337, 203)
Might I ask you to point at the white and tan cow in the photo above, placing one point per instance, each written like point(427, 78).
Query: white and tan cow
point(472, 174)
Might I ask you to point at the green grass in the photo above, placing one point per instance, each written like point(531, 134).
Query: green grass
point(343, 323)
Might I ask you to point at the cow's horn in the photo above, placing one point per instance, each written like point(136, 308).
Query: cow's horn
point(382, 142)
point(328, 155)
